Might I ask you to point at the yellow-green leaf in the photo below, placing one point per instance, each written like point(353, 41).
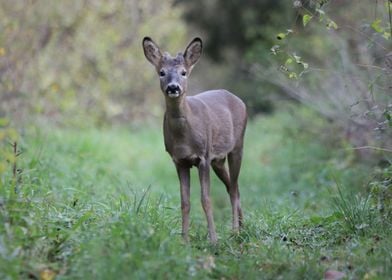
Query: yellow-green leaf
point(306, 18)
point(293, 75)
point(47, 274)
point(288, 61)
point(376, 26)
point(386, 35)
point(280, 36)
point(332, 24)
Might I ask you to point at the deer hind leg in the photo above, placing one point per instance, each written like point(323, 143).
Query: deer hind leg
point(204, 176)
point(218, 165)
point(235, 158)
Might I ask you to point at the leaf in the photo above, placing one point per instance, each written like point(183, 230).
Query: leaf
point(288, 61)
point(386, 35)
point(305, 65)
point(275, 49)
point(306, 18)
point(333, 275)
point(376, 26)
point(281, 36)
point(293, 75)
point(47, 274)
point(388, 115)
point(332, 24)
point(321, 12)
point(297, 58)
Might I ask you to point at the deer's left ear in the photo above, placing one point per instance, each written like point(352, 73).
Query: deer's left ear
point(193, 52)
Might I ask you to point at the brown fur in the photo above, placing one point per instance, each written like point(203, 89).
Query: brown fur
point(200, 130)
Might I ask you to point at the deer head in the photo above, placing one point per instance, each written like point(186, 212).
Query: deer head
point(173, 71)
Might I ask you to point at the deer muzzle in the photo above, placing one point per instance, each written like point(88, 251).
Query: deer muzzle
point(173, 90)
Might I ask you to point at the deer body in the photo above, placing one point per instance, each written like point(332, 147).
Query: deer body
point(201, 130)
point(204, 128)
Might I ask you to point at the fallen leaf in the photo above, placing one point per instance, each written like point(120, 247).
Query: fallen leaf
point(47, 274)
point(333, 275)
point(207, 263)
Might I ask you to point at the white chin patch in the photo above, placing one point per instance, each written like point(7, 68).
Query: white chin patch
point(173, 95)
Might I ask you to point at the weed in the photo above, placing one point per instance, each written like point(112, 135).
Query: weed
point(105, 204)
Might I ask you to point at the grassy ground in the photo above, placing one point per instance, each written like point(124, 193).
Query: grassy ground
point(104, 204)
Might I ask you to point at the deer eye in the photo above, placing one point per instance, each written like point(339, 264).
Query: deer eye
point(162, 73)
point(183, 73)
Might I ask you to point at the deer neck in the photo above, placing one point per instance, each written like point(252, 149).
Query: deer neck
point(177, 108)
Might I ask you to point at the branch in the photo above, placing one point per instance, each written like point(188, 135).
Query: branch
point(371, 148)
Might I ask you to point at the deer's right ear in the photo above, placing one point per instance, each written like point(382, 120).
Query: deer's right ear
point(151, 51)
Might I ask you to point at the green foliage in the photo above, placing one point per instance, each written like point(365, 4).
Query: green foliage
point(381, 192)
point(329, 73)
point(236, 35)
point(105, 204)
point(8, 149)
point(306, 18)
point(83, 59)
point(235, 24)
point(376, 25)
point(355, 210)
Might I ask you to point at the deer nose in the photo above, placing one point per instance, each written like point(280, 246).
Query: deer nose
point(173, 89)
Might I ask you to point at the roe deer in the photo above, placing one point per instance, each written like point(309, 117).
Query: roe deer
point(200, 130)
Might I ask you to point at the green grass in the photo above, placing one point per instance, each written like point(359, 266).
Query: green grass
point(104, 204)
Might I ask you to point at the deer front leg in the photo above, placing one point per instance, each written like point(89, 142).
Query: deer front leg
point(204, 176)
point(184, 176)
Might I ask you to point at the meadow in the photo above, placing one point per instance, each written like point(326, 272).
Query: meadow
point(104, 204)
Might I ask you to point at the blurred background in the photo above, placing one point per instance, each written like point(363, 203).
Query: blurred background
point(88, 191)
point(79, 63)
